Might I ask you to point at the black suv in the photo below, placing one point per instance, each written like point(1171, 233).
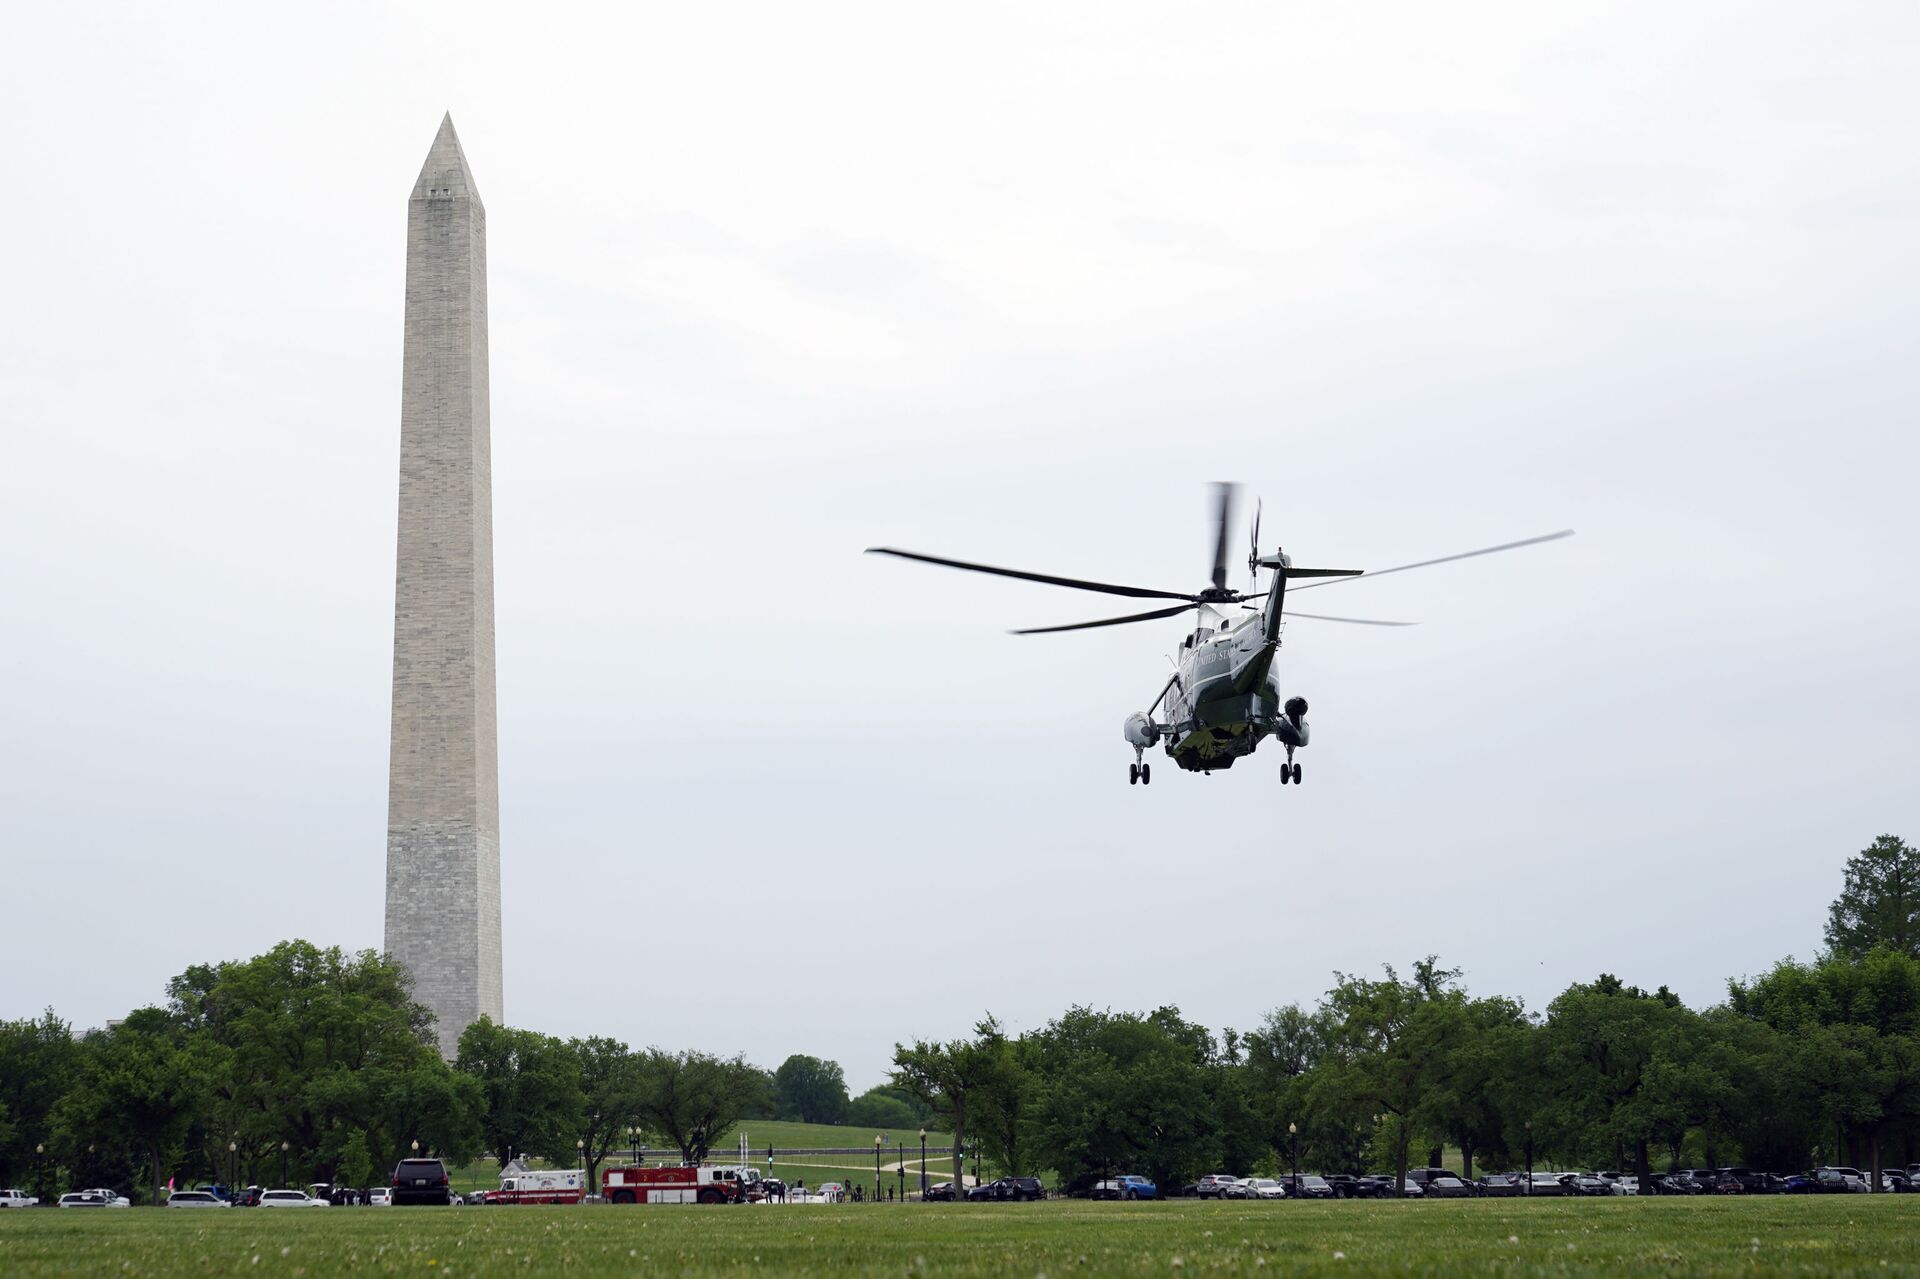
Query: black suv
point(1009, 1188)
point(421, 1181)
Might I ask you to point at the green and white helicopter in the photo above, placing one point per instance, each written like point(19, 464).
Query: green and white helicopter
point(1223, 698)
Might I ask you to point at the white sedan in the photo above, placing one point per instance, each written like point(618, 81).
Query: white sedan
point(196, 1199)
point(290, 1199)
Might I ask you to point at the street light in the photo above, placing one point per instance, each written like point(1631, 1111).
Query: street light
point(283, 1160)
point(877, 1141)
point(40, 1166)
point(976, 1161)
point(633, 1135)
point(1529, 1157)
point(923, 1165)
point(1293, 1131)
point(232, 1151)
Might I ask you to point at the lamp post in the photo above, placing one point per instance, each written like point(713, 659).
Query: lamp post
point(976, 1161)
point(40, 1167)
point(923, 1165)
point(1293, 1131)
point(283, 1160)
point(580, 1145)
point(877, 1142)
point(233, 1150)
point(633, 1135)
point(1529, 1157)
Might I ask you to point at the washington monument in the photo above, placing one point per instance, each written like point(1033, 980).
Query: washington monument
point(443, 796)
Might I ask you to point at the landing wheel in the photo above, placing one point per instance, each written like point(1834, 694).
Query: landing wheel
point(1296, 774)
point(1286, 773)
point(1133, 774)
point(1146, 774)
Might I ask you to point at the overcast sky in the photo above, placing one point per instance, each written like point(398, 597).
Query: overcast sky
point(1006, 282)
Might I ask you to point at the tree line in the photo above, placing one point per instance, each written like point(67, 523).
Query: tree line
point(322, 1064)
point(1809, 1062)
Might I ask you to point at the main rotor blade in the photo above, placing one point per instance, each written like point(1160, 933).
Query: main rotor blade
point(1175, 611)
point(1136, 592)
point(1253, 543)
point(1444, 559)
point(1357, 621)
point(1223, 514)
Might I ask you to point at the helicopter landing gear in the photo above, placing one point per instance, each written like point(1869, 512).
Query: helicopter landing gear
point(1295, 770)
point(1146, 774)
point(1140, 774)
point(1289, 771)
point(1133, 774)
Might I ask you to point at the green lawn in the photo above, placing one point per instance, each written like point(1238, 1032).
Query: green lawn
point(1776, 1235)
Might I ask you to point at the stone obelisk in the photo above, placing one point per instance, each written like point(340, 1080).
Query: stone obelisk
point(443, 798)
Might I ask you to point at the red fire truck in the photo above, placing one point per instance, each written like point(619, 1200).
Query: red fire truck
point(683, 1185)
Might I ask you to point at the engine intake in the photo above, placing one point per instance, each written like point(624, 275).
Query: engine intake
point(1140, 730)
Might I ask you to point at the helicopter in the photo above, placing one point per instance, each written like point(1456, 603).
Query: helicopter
point(1223, 698)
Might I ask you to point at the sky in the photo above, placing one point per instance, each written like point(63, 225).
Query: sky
point(1006, 282)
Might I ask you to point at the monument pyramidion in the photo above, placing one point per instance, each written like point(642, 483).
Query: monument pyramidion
point(443, 798)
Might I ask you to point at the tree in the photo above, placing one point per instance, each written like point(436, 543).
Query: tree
point(693, 1098)
point(1384, 1032)
point(946, 1076)
point(306, 1045)
point(356, 1163)
point(530, 1090)
point(38, 1059)
point(1856, 1031)
point(137, 1089)
point(1121, 1092)
point(884, 1108)
point(1880, 902)
point(611, 1088)
point(1478, 1046)
point(1619, 1062)
point(810, 1090)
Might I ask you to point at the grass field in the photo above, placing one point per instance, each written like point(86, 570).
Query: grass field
point(1774, 1235)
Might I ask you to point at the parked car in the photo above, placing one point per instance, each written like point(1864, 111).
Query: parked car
point(1126, 1186)
point(1678, 1183)
point(1897, 1183)
point(1307, 1186)
point(421, 1181)
point(291, 1199)
point(1625, 1183)
point(1242, 1188)
point(12, 1198)
point(1854, 1180)
point(1588, 1183)
point(1411, 1189)
point(248, 1198)
point(1213, 1185)
point(1425, 1175)
point(1752, 1182)
point(1500, 1185)
point(1348, 1186)
point(941, 1191)
point(1008, 1190)
point(380, 1197)
point(1267, 1188)
point(197, 1199)
point(113, 1200)
point(1448, 1186)
point(1544, 1183)
point(81, 1199)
